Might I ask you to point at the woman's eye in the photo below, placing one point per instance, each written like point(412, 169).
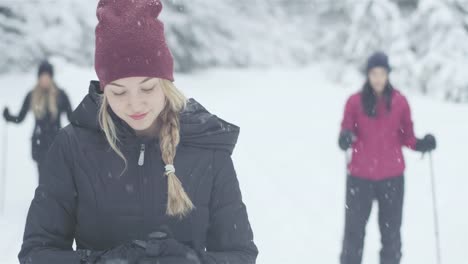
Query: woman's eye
point(118, 94)
point(148, 90)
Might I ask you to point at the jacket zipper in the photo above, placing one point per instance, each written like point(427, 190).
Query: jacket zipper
point(141, 162)
point(141, 159)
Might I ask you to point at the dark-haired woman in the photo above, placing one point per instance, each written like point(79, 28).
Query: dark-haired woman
point(376, 125)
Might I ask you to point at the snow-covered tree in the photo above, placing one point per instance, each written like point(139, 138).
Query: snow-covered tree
point(424, 38)
point(32, 30)
point(438, 36)
point(232, 33)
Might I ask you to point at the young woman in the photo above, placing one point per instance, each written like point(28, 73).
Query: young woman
point(48, 103)
point(142, 175)
point(376, 125)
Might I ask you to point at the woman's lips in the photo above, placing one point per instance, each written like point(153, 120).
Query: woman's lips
point(138, 116)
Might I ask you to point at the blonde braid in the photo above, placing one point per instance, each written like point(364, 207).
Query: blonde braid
point(178, 202)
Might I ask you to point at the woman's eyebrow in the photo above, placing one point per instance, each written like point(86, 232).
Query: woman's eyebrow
point(119, 85)
point(116, 84)
point(145, 80)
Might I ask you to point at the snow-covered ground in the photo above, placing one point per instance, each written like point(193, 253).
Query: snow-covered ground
point(291, 171)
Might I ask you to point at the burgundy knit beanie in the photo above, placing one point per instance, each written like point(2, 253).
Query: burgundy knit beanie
point(130, 41)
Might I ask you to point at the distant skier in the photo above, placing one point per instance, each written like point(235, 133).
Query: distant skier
point(142, 174)
point(47, 102)
point(377, 123)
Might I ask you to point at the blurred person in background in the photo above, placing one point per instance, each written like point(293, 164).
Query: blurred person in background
point(48, 103)
point(376, 125)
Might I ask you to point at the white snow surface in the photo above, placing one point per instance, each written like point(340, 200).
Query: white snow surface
point(291, 171)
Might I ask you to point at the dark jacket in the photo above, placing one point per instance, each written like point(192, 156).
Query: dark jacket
point(46, 128)
point(86, 197)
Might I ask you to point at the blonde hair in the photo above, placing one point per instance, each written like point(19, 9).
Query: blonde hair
point(178, 202)
point(44, 101)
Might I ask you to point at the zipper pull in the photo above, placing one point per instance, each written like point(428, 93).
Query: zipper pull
point(141, 159)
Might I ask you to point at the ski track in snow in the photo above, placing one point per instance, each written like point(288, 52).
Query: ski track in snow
point(288, 162)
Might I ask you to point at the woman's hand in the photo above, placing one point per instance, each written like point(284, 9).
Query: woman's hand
point(162, 248)
point(426, 144)
point(6, 114)
point(129, 253)
point(169, 260)
point(346, 139)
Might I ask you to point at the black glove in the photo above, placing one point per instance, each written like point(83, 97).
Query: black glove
point(346, 139)
point(162, 248)
point(6, 114)
point(427, 144)
point(129, 253)
point(170, 260)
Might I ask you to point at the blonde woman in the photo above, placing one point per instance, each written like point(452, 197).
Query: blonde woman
point(48, 103)
point(142, 175)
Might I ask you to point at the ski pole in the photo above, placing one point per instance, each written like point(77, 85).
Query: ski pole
point(347, 160)
point(435, 211)
point(4, 170)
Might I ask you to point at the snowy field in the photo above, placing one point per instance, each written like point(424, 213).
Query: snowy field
point(291, 171)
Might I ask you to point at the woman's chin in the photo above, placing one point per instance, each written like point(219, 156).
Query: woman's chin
point(140, 126)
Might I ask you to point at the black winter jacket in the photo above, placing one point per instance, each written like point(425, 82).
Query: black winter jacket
point(86, 198)
point(46, 128)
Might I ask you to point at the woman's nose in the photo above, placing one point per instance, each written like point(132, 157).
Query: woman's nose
point(136, 102)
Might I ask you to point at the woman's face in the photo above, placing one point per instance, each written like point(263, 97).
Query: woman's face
point(136, 100)
point(378, 78)
point(45, 81)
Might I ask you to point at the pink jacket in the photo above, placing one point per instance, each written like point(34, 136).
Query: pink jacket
point(377, 151)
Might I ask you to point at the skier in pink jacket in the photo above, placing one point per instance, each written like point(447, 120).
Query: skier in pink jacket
point(376, 125)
